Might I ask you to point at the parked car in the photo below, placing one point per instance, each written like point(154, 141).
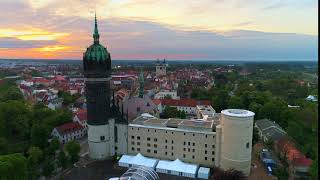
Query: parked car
point(267, 160)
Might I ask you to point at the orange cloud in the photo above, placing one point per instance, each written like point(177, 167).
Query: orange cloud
point(31, 34)
point(53, 48)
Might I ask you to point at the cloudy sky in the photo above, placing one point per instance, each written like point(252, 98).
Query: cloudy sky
point(171, 29)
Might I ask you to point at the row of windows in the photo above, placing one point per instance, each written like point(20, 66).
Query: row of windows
point(166, 153)
point(172, 148)
point(184, 143)
point(166, 141)
point(193, 134)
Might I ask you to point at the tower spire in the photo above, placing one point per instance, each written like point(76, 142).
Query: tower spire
point(96, 32)
point(141, 81)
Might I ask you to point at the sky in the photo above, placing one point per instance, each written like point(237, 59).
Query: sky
point(171, 29)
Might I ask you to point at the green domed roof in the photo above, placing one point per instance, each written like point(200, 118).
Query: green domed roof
point(96, 52)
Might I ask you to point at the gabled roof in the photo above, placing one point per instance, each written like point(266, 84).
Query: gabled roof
point(69, 128)
point(177, 166)
point(302, 162)
point(288, 147)
point(184, 102)
point(270, 129)
point(139, 160)
point(265, 123)
point(82, 114)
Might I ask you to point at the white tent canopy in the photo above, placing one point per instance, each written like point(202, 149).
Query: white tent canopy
point(137, 160)
point(203, 173)
point(177, 167)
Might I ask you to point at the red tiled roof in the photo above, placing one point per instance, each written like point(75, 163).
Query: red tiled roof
point(184, 102)
point(156, 101)
point(69, 128)
point(289, 148)
point(59, 78)
point(82, 115)
point(302, 162)
point(40, 80)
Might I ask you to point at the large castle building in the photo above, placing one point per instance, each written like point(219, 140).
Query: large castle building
point(224, 140)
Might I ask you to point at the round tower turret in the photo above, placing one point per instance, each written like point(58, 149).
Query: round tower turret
point(236, 139)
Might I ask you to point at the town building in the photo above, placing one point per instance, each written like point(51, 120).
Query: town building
point(161, 68)
point(68, 132)
point(170, 94)
point(269, 130)
point(189, 106)
point(81, 117)
point(299, 164)
point(137, 105)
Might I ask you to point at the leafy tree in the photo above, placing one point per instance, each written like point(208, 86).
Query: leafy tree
point(220, 80)
point(39, 135)
point(182, 115)
point(255, 136)
point(62, 160)
point(14, 119)
point(54, 146)
point(11, 93)
point(235, 102)
point(68, 98)
point(13, 166)
point(34, 160)
point(168, 96)
point(272, 110)
point(281, 173)
point(48, 168)
point(3, 145)
point(231, 174)
point(200, 94)
point(314, 168)
point(220, 100)
point(170, 112)
point(255, 107)
point(73, 149)
point(35, 155)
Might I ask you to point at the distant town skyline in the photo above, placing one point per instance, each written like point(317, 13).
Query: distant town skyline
point(150, 29)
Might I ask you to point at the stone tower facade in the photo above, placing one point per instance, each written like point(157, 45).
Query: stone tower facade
point(104, 120)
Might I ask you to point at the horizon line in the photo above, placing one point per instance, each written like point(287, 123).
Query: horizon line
point(278, 60)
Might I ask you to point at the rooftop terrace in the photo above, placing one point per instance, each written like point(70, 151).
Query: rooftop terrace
point(182, 124)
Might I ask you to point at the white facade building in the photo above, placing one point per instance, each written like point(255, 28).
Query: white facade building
point(68, 132)
point(164, 93)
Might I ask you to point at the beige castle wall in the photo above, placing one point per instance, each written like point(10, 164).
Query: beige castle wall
point(169, 144)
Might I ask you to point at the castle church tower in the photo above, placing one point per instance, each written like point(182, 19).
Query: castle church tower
point(97, 72)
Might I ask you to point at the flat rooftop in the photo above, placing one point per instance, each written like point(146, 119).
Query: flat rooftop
point(183, 124)
point(206, 110)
